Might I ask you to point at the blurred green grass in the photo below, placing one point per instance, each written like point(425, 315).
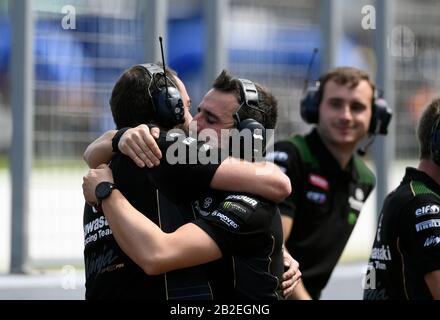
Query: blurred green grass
point(4, 161)
point(52, 164)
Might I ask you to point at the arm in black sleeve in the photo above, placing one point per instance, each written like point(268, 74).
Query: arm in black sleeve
point(423, 231)
point(287, 157)
point(187, 168)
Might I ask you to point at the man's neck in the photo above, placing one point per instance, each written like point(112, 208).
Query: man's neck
point(430, 168)
point(342, 153)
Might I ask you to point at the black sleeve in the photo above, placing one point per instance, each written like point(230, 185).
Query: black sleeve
point(186, 168)
point(422, 224)
point(235, 216)
point(287, 157)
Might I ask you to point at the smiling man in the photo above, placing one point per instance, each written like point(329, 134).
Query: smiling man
point(331, 182)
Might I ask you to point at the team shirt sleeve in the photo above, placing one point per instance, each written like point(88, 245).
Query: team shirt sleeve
point(234, 217)
point(286, 156)
point(186, 168)
point(423, 231)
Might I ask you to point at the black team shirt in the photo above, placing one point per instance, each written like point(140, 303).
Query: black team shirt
point(407, 243)
point(110, 273)
point(246, 228)
point(248, 231)
point(325, 204)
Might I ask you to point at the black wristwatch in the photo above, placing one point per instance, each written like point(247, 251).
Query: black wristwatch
point(103, 190)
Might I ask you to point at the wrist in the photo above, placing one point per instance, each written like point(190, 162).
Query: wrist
point(116, 138)
point(111, 201)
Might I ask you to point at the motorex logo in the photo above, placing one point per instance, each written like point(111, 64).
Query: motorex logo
point(433, 223)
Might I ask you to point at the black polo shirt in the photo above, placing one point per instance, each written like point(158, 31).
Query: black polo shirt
point(407, 243)
point(248, 231)
point(110, 273)
point(325, 204)
point(246, 228)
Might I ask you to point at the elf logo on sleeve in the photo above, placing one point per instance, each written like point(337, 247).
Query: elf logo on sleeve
point(429, 209)
point(318, 181)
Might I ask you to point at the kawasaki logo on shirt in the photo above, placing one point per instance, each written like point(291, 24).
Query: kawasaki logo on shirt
point(383, 253)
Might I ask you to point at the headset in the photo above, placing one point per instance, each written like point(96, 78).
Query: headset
point(435, 142)
point(168, 107)
point(249, 99)
point(380, 118)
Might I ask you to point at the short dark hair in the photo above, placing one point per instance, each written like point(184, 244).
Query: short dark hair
point(344, 76)
point(130, 101)
point(425, 127)
point(225, 82)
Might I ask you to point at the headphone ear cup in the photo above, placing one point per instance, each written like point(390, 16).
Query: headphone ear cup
point(258, 136)
point(309, 106)
point(250, 124)
point(380, 117)
point(169, 109)
point(168, 105)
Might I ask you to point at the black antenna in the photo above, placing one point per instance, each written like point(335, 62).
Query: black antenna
point(163, 62)
point(309, 69)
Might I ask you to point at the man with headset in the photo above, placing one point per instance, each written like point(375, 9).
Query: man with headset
point(405, 259)
point(239, 234)
point(133, 184)
point(330, 182)
point(137, 97)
